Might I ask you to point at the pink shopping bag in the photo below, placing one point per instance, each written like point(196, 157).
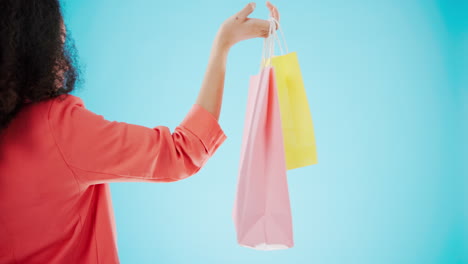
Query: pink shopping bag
point(262, 212)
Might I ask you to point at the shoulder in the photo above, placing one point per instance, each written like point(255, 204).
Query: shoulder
point(63, 105)
point(67, 100)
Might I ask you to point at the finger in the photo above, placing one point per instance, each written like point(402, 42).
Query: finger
point(277, 13)
point(270, 7)
point(273, 11)
point(247, 10)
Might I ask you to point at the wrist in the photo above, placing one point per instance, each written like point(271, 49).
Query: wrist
point(221, 43)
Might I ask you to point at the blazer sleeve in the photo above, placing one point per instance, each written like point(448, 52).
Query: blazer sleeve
point(102, 151)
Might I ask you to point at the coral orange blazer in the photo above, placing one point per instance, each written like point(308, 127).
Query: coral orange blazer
point(56, 160)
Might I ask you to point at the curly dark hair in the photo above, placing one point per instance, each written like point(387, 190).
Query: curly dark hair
point(37, 57)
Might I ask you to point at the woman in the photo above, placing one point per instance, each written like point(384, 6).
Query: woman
point(57, 157)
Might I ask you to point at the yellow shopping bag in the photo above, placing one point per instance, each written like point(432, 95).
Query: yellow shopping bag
point(296, 118)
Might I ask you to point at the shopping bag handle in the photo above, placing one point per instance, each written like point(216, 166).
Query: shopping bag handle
point(273, 23)
point(269, 43)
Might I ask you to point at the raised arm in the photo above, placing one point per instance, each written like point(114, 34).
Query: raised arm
point(98, 150)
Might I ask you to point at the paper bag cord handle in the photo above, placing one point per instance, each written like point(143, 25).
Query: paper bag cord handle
point(269, 43)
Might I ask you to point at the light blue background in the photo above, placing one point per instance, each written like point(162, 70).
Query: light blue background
point(387, 85)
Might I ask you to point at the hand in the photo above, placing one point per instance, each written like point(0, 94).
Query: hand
point(236, 28)
point(240, 27)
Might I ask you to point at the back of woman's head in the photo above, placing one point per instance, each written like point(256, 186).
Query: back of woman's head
point(37, 57)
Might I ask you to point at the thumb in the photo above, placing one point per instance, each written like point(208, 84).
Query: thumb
point(247, 10)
